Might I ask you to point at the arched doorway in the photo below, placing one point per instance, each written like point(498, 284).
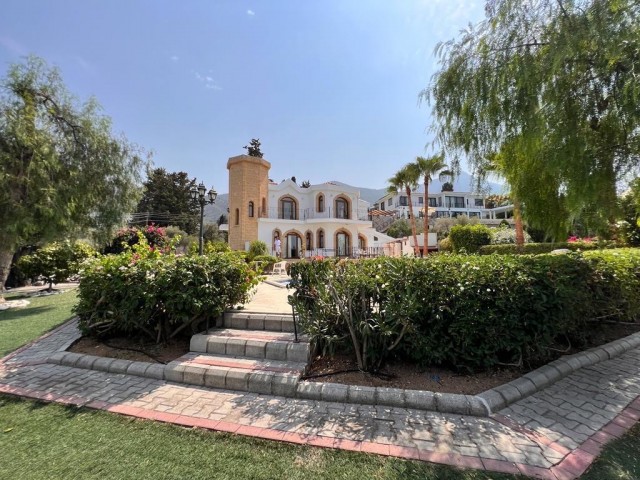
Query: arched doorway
point(292, 247)
point(343, 243)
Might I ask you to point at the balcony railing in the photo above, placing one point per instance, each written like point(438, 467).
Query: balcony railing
point(353, 252)
point(310, 214)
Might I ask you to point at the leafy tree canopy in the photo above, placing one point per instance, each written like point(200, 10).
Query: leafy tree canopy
point(553, 86)
point(399, 228)
point(166, 201)
point(63, 172)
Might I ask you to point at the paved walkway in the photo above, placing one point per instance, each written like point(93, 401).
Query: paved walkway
point(553, 434)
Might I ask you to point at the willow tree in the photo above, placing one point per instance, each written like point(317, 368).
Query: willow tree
point(558, 80)
point(429, 167)
point(62, 171)
point(407, 179)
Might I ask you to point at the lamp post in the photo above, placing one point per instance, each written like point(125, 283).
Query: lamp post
point(199, 194)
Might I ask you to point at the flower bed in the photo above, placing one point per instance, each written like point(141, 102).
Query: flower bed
point(467, 312)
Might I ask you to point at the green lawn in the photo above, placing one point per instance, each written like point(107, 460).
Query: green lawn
point(620, 460)
point(49, 441)
point(55, 442)
point(21, 325)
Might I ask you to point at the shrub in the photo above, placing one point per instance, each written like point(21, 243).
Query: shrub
point(468, 312)
point(257, 248)
point(55, 262)
point(156, 237)
point(148, 293)
point(341, 302)
point(265, 262)
point(502, 236)
point(444, 245)
point(538, 248)
point(469, 238)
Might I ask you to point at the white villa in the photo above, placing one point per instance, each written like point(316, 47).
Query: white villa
point(320, 220)
point(445, 204)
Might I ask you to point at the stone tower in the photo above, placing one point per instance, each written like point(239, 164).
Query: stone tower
point(248, 198)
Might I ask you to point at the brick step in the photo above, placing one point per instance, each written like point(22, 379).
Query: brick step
point(260, 344)
point(254, 364)
point(258, 321)
point(244, 377)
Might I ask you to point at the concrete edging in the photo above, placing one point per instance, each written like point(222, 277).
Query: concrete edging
point(483, 404)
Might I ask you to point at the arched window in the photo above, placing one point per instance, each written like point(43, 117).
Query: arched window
point(342, 208)
point(362, 242)
point(263, 211)
point(250, 209)
point(320, 238)
point(321, 203)
point(288, 208)
point(237, 216)
point(308, 241)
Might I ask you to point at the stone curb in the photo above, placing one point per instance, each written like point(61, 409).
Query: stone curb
point(110, 365)
point(482, 405)
point(500, 397)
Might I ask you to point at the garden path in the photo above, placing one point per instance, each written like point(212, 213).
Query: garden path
point(554, 434)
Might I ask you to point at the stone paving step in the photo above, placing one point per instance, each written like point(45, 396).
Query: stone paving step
point(232, 373)
point(258, 321)
point(261, 344)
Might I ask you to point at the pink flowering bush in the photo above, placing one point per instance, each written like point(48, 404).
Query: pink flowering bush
point(156, 237)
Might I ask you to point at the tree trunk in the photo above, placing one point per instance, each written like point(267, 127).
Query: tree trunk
point(416, 248)
point(6, 256)
point(517, 216)
point(425, 224)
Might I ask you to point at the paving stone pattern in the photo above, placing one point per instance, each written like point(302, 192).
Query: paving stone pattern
point(555, 433)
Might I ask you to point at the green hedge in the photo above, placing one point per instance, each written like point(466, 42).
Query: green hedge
point(469, 312)
point(536, 248)
point(469, 238)
point(147, 293)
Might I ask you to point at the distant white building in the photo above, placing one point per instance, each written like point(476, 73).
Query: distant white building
point(445, 205)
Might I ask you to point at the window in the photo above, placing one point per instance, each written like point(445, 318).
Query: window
point(342, 208)
point(237, 216)
point(309, 245)
point(454, 202)
point(250, 209)
point(421, 200)
point(403, 201)
point(479, 202)
point(433, 202)
point(362, 242)
point(320, 238)
point(288, 209)
point(263, 212)
point(389, 202)
point(320, 203)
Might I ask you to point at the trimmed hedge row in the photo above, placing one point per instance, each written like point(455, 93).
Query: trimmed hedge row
point(147, 293)
point(468, 312)
point(537, 248)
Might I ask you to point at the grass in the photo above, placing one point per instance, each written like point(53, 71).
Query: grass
point(39, 441)
point(619, 460)
point(55, 442)
point(21, 325)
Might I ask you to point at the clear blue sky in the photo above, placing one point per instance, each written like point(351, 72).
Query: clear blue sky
point(330, 87)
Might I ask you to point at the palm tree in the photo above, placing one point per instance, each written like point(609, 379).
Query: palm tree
point(428, 168)
point(407, 178)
